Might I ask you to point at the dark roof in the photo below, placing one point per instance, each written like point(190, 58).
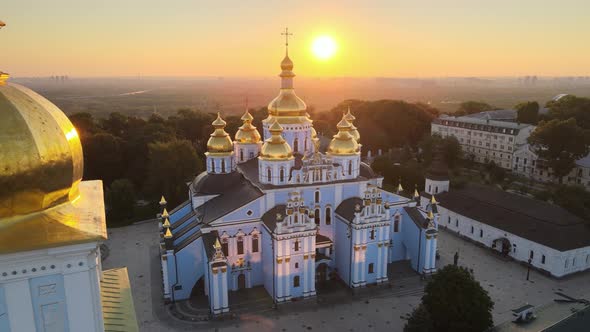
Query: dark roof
point(233, 189)
point(270, 217)
point(531, 219)
point(416, 217)
point(320, 239)
point(209, 242)
point(250, 170)
point(346, 208)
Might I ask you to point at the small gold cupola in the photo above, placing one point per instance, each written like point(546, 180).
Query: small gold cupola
point(353, 130)
point(343, 143)
point(247, 133)
point(276, 148)
point(219, 143)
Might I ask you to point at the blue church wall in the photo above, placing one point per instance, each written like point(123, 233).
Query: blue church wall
point(267, 256)
point(191, 267)
point(342, 249)
point(397, 252)
point(414, 240)
point(4, 322)
point(371, 258)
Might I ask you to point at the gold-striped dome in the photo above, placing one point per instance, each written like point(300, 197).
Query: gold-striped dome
point(247, 133)
point(287, 103)
point(343, 143)
point(276, 148)
point(219, 142)
point(353, 130)
point(40, 153)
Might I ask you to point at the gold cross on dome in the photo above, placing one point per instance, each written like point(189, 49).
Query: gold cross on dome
point(286, 34)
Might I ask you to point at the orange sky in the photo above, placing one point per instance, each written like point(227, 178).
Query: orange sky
point(422, 38)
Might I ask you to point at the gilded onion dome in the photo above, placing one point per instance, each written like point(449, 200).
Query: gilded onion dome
point(343, 143)
point(353, 130)
point(247, 133)
point(287, 103)
point(219, 142)
point(40, 152)
point(276, 148)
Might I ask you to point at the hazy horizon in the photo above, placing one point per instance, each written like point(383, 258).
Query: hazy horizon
point(421, 39)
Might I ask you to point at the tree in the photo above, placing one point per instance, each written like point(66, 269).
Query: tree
point(171, 165)
point(453, 301)
point(103, 157)
point(471, 107)
point(560, 143)
point(527, 112)
point(449, 147)
point(120, 201)
point(571, 107)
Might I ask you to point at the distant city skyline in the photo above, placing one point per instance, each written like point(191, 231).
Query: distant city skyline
point(425, 38)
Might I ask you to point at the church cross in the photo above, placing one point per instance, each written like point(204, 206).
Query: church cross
point(286, 34)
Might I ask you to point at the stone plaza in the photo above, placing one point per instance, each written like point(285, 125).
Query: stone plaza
point(369, 309)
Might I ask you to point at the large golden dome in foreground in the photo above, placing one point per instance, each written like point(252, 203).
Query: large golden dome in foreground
point(40, 153)
point(276, 148)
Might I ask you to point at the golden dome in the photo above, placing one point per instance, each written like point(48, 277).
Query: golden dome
point(276, 148)
point(314, 133)
point(219, 142)
point(353, 130)
point(343, 143)
point(247, 133)
point(40, 153)
point(287, 103)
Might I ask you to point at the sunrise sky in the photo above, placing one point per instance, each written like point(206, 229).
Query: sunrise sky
point(418, 38)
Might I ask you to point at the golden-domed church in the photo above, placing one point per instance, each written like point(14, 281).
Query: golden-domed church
point(274, 211)
point(51, 226)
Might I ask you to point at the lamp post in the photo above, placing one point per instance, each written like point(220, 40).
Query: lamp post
point(528, 272)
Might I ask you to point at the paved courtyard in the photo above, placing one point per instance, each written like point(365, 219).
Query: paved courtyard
point(371, 309)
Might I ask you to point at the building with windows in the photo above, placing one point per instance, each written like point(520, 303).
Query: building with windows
point(283, 215)
point(525, 229)
point(51, 226)
point(526, 162)
point(482, 139)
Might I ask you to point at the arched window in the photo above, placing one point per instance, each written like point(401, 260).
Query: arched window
point(295, 145)
point(240, 246)
point(317, 196)
point(328, 216)
point(222, 165)
point(212, 165)
point(317, 216)
point(396, 224)
point(296, 218)
point(268, 174)
point(282, 175)
point(241, 154)
point(305, 146)
point(350, 168)
point(371, 268)
point(296, 281)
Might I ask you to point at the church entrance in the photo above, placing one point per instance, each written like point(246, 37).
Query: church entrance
point(241, 281)
point(321, 273)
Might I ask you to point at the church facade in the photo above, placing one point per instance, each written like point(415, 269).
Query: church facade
point(276, 212)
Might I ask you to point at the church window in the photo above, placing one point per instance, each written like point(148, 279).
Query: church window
point(282, 175)
point(457, 222)
point(371, 268)
point(542, 259)
point(328, 216)
point(240, 246)
point(472, 229)
point(212, 166)
point(251, 154)
point(396, 224)
point(222, 165)
point(296, 265)
point(225, 248)
point(295, 145)
point(296, 218)
point(449, 220)
point(255, 243)
point(305, 146)
point(296, 281)
point(531, 254)
point(268, 174)
point(350, 168)
point(481, 233)
point(317, 196)
point(574, 261)
point(429, 188)
point(436, 190)
point(372, 234)
point(296, 246)
point(317, 216)
point(241, 154)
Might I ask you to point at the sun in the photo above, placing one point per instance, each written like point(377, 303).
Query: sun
point(324, 47)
